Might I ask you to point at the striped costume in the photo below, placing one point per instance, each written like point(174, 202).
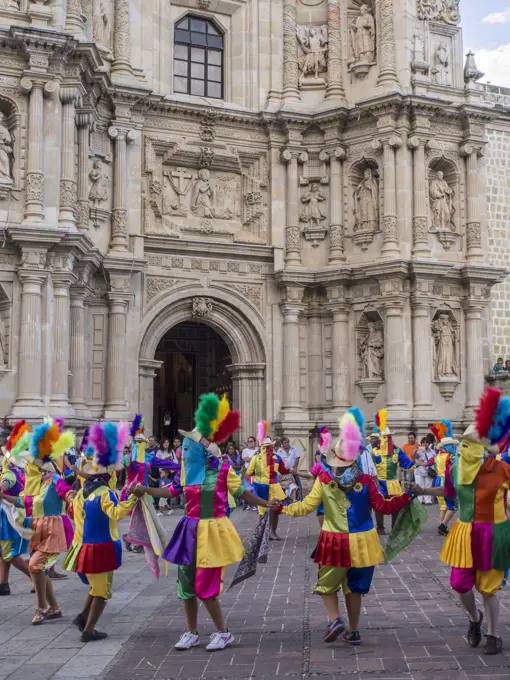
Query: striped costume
point(387, 468)
point(265, 467)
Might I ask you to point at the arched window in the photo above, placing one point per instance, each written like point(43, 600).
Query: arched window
point(198, 58)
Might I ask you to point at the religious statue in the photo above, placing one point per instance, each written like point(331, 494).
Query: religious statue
point(9, 4)
point(313, 41)
point(202, 198)
point(441, 65)
point(98, 191)
point(5, 153)
point(445, 341)
point(312, 213)
point(372, 353)
point(441, 202)
point(366, 203)
point(100, 23)
point(363, 36)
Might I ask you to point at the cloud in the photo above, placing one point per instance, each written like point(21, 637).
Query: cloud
point(498, 17)
point(494, 63)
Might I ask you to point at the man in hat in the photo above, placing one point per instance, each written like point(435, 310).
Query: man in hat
point(348, 547)
point(96, 551)
point(477, 547)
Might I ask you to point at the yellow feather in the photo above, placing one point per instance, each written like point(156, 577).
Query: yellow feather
point(64, 442)
point(382, 415)
point(223, 409)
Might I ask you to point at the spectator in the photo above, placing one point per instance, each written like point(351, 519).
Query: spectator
point(177, 449)
point(169, 453)
point(424, 459)
point(250, 450)
point(165, 480)
point(499, 366)
point(411, 447)
point(233, 458)
point(507, 366)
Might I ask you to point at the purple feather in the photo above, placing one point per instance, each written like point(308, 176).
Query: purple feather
point(60, 424)
point(85, 440)
point(98, 440)
point(135, 426)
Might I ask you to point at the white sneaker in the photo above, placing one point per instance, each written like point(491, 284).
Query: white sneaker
point(159, 514)
point(220, 641)
point(187, 641)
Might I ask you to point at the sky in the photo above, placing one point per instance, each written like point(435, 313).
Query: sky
point(486, 27)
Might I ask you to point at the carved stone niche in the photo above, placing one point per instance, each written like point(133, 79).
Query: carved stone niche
point(365, 200)
point(370, 353)
point(444, 200)
point(312, 56)
point(9, 149)
point(361, 24)
point(445, 328)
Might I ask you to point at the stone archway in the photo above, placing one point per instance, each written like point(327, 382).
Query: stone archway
point(235, 320)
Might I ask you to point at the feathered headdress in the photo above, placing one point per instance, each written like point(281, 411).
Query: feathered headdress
point(19, 429)
point(108, 441)
point(18, 443)
point(349, 445)
point(215, 421)
point(325, 440)
point(85, 440)
point(137, 430)
point(380, 422)
point(492, 417)
point(263, 437)
point(49, 442)
point(356, 412)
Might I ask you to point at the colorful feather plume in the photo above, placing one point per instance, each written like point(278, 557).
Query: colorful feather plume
point(22, 444)
point(380, 420)
point(325, 440)
point(85, 440)
point(108, 441)
point(501, 422)
point(262, 430)
point(350, 437)
point(60, 424)
point(230, 424)
point(89, 451)
point(19, 429)
point(486, 411)
point(206, 414)
point(223, 409)
point(360, 421)
point(136, 425)
point(441, 429)
point(48, 442)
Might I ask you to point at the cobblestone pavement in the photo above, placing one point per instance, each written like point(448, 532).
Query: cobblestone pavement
point(412, 626)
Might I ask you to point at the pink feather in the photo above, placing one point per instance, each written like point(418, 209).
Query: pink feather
point(98, 440)
point(351, 441)
point(261, 431)
point(123, 437)
point(325, 440)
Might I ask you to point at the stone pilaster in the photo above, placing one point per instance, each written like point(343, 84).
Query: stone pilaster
point(119, 233)
point(34, 182)
point(84, 120)
point(387, 60)
point(315, 354)
point(116, 356)
point(121, 66)
point(290, 53)
point(394, 355)
point(422, 365)
point(248, 388)
point(473, 221)
point(390, 246)
point(147, 371)
point(420, 210)
point(77, 350)
point(75, 19)
point(292, 231)
point(335, 90)
point(61, 343)
point(291, 309)
point(474, 356)
point(340, 357)
point(336, 217)
point(68, 96)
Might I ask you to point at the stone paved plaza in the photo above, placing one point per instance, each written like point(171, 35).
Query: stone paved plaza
point(411, 624)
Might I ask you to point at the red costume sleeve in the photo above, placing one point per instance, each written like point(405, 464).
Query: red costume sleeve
point(383, 505)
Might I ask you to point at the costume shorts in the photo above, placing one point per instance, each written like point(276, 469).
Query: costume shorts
point(42, 561)
point(100, 584)
point(486, 582)
point(199, 582)
point(446, 504)
point(351, 580)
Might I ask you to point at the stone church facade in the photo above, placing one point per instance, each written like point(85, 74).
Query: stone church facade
point(316, 192)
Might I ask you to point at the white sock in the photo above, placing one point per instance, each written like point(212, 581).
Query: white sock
point(469, 604)
point(491, 604)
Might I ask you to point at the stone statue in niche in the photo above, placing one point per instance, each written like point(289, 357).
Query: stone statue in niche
point(442, 10)
point(9, 4)
point(441, 65)
point(100, 23)
point(313, 41)
point(445, 341)
point(366, 203)
point(98, 191)
point(372, 353)
point(202, 198)
point(5, 154)
point(441, 202)
point(362, 32)
point(312, 213)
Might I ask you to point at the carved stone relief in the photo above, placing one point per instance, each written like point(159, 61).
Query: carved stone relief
point(370, 352)
point(362, 35)
point(439, 10)
point(9, 4)
point(201, 307)
point(156, 285)
point(312, 57)
point(446, 336)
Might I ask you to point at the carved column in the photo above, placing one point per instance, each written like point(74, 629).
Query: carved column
point(474, 356)
point(248, 392)
point(75, 19)
point(422, 365)
point(121, 66)
point(291, 391)
point(420, 189)
point(336, 218)
point(390, 246)
point(340, 358)
point(473, 222)
point(292, 231)
point(147, 371)
point(315, 354)
point(116, 356)
point(34, 183)
point(84, 120)
point(119, 236)
point(290, 53)
point(30, 342)
point(335, 89)
point(61, 343)
point(66, 218)
point(77, 354)
point(395, 368)
point(387, 67)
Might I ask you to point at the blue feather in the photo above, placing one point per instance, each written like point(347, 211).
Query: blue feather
point(360, 421)
point(135, 424)
point(448, 424)
point(110, 433)
point(501, 421)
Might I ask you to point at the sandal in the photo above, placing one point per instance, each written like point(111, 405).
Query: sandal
point(54, 614)
point(40, 616)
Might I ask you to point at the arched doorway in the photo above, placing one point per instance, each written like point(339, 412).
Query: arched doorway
point(194, 359)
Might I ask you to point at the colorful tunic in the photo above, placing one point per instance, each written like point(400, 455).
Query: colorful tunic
point(12, 544)
point(387, 468)
point(205, 537)
point(480, 538)
point(348, 537)
point(315, 471)
point(442, 460)
point(265, 469)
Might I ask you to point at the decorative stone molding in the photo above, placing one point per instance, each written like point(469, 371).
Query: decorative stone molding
point(335, 89)
point(442, 10)
point(387, 68)
point(473, 235)
point(201, 307)
point(156, 285)
point(121, 67)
